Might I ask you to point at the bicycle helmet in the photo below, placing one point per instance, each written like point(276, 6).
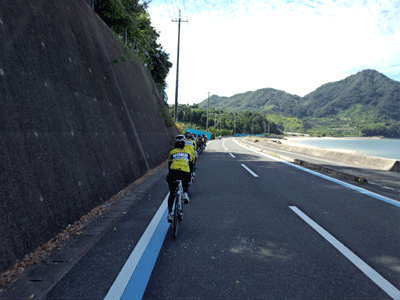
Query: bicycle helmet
point(188, 135)
point(179, 138)
point(179, 141)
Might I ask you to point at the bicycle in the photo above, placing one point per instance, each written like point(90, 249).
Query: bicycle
point(178, 208)
point(200, 149)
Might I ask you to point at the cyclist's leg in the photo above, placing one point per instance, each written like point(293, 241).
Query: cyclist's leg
point(186, 178)
point(171, 196)
point(172, 187)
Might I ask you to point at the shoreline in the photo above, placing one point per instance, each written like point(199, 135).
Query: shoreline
point(296, 141)
point(350, 156)
point(305, 138)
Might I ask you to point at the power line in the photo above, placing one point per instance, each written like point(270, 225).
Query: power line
point(173, 8)
point(166, 4)
point(184, 7)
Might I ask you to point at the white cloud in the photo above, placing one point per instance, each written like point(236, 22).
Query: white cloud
point(235, 46)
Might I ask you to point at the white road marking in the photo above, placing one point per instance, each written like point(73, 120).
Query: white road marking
point(119, 285)
point(385, 285)
point(250, 171)
point(232, 155)
point(356, 188)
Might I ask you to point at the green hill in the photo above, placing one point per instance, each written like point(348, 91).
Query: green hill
point(365, 96)
point(262, 101)
point(366, 100)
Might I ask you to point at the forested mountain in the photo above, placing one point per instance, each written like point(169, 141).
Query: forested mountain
point(367, 103)
point(263, 101)
point(367, 95)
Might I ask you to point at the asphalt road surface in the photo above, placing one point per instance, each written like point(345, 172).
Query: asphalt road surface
point(256, 228)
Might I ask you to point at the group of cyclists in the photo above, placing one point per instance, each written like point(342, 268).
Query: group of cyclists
point(182, 162)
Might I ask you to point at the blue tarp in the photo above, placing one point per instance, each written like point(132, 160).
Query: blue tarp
point(198, 132)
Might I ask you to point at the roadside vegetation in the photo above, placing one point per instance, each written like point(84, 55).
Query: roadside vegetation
point(130, 18)
point(223, 123)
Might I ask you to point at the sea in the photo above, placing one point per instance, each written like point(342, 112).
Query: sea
point(386, 148)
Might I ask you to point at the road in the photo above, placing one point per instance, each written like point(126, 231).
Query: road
point(383, 182)
point(255, 228)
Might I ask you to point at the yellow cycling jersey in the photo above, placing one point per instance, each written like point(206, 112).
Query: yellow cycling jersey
point(192, 143)
point(190, 149)
point(180, 158)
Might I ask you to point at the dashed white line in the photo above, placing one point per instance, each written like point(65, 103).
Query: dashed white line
point(250, 171)
point(385, 285)
point(356, 188)
point(232, 155)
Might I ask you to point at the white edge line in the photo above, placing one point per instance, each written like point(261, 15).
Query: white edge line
point(232, 155)
point(117, 289)
point(250, 171)
point(385, 285)
point(358, 189)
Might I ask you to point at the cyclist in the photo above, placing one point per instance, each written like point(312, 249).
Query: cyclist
point(189, 142)
point(200, 142)
point(203, 142)
point(180, 166)
point(194, 139)
point(196, 155)
point(205, 139)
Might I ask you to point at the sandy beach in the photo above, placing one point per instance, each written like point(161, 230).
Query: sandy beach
point(364, 146)
point(295, 140)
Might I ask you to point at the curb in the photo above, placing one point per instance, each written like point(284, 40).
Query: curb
point(359, 179)
point(39, 279)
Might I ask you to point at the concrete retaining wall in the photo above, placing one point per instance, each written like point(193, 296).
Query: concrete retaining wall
point(361, 160)
point(75, 127)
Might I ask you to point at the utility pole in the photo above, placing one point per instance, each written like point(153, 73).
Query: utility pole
point(208, 108)
point(234, 122)
point(177, 67)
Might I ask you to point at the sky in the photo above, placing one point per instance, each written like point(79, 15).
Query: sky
point(234, 46)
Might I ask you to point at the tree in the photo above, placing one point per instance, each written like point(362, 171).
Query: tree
point(132, 17)
point(245, 122)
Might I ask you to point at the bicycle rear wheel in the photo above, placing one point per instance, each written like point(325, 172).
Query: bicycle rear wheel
point(176, 217)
